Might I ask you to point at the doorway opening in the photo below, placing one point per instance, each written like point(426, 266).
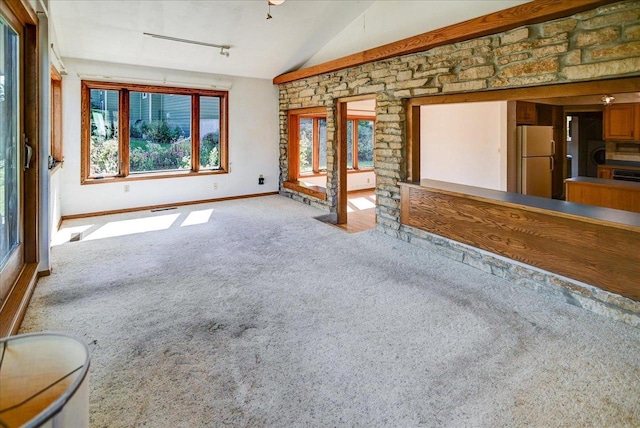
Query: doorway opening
point(586, 148)
point(356, 202)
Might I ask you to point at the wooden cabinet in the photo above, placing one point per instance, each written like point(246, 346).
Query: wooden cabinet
point(619, 195)
point(622, 122)
point(526, 113)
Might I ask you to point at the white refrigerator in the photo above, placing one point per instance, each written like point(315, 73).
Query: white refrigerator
point(535, 147)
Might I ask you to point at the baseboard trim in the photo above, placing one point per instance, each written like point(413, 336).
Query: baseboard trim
point(44, 273)
point(15, 306)
point(156, 207)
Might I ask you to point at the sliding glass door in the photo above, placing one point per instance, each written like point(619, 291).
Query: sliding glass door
point(11, 224)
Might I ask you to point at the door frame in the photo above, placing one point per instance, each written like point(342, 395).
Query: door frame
point(341, 149)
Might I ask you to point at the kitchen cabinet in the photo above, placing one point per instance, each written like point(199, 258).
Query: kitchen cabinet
point(619, 195)
point(526, 113)
point(622, 122)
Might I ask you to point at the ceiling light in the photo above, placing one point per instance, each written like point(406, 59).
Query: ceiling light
point(607, 99)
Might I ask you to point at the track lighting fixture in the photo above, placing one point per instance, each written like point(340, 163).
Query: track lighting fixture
point(224, 49)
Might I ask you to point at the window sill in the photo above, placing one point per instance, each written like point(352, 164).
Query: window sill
point(324, 174)
point(150, 176)
point(315, 191)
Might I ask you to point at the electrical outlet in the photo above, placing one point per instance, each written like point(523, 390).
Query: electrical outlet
point(127, 188)
point(215, 186)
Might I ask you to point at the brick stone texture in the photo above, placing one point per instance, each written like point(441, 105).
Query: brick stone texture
point(602, 43)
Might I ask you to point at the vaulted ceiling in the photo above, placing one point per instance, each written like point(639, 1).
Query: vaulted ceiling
point(112, 30)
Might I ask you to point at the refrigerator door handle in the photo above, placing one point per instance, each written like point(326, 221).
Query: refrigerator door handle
point(553, 147)
point(553, 163)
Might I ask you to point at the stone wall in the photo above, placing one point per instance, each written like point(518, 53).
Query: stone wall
point(603, 43)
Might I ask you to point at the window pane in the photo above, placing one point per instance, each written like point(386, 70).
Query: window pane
point(322, 137)
point(306, 145)
point(104, 132)
point(9, 142)
point(159, 132)
point(209, 133)
point(350, 144)
point(365, 143)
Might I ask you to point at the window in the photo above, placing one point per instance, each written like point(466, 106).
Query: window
point(313, 145)
point(360, 149)
point(307, 153)
point(139, 131)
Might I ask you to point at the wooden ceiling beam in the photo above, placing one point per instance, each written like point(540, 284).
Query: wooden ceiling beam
point(534, 12)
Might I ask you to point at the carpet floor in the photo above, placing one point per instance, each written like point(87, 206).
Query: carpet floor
point(253, 313)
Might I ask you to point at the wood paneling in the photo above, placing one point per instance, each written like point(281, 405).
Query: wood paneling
point(606, 255)
point(525, 14)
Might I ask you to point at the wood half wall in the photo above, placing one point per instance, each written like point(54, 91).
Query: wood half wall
point(593, 250)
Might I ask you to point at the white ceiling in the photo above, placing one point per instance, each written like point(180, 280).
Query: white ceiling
point(111, 31)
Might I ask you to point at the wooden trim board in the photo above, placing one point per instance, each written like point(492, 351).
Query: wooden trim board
point(15, 305)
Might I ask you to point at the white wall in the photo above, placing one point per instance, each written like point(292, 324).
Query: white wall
point(465, 143)
point(387, 21)
point(253, 142)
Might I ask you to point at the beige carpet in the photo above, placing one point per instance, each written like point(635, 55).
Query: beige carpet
point(253, 313)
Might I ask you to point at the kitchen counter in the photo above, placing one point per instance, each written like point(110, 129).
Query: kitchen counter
point(616, 194)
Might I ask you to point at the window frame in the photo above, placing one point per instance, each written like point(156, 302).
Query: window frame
point(124, 173)
point(56, 147)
